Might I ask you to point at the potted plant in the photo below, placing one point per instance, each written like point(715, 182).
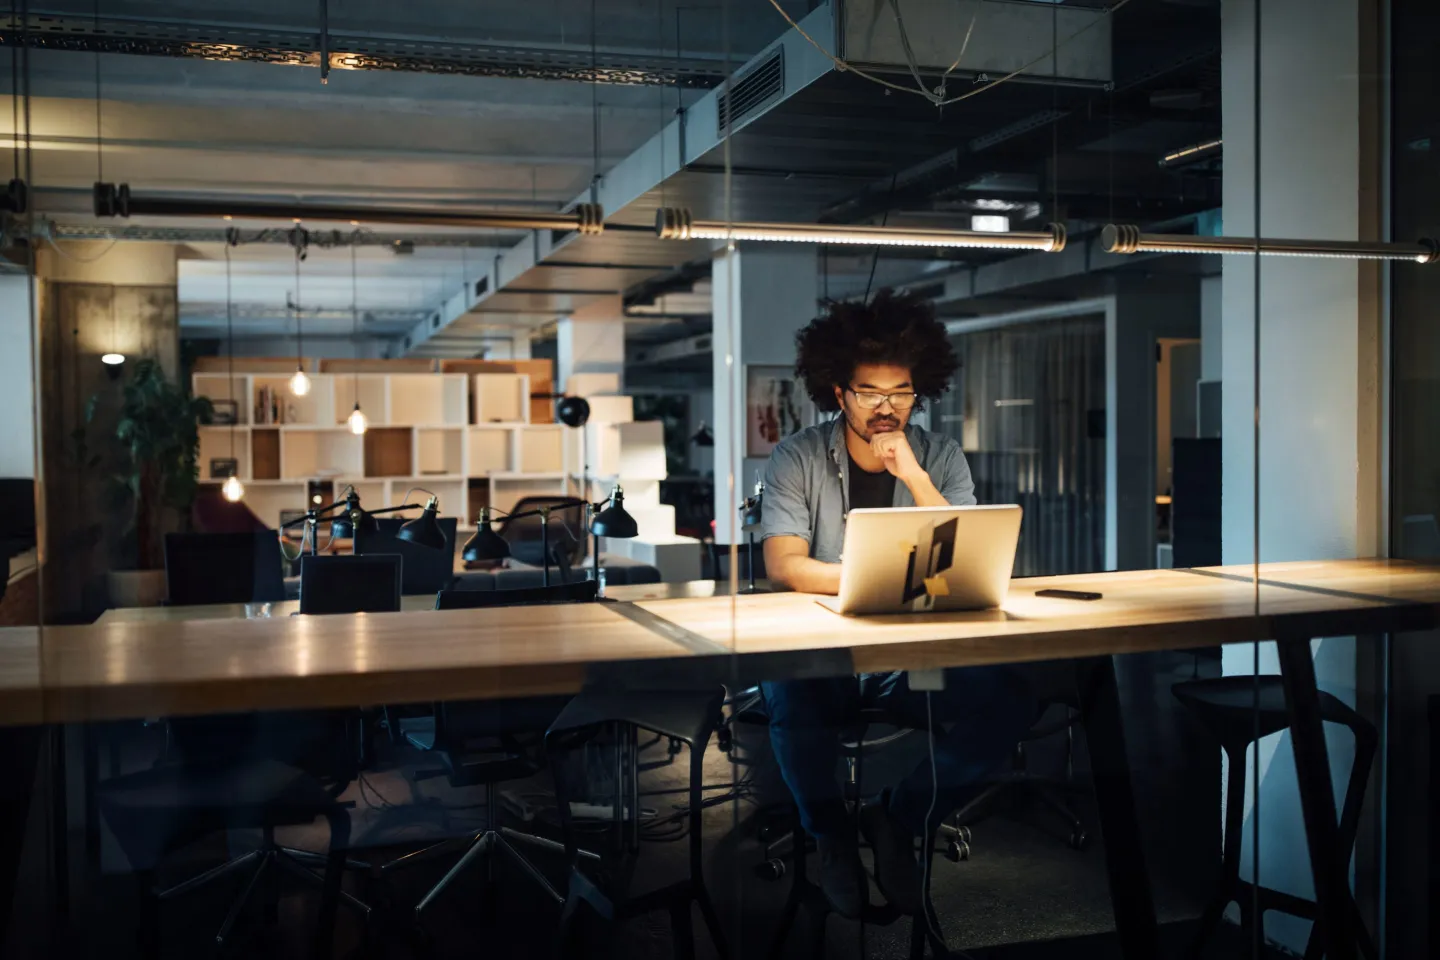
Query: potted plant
point(156, 476)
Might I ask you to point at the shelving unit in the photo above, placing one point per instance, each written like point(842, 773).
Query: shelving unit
point(466, 437)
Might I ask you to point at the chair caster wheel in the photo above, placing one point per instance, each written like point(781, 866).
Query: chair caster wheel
point(772, 869)
point(957, 850)
point(1079, 840)
point(723, 740)
point(962, 833)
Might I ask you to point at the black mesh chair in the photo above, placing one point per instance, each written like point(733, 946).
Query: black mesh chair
point(224, 568)
point(484, 743)
point(369, 584)
point(422, 570)
point(567, 533)
point(258, 771)
point(717, 556)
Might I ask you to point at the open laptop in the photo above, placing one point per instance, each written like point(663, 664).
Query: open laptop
point(923, 559)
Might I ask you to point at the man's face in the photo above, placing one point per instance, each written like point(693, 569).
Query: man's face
point(875, 378)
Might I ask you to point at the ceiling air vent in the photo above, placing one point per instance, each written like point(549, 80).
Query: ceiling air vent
point(758, 87)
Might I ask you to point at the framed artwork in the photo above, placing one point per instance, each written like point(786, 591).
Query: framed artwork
point(225, 412)
point(776, 406)
point(224, 467)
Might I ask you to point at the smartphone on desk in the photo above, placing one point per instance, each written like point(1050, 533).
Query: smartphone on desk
point(1069, 594)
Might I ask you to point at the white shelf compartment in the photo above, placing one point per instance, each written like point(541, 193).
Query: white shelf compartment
point(373, 391)
point(439, 451)
point(219, 386)
point(325, 453)
point(500, 398)
point(316, 408)
point(492, 450)
point(215, 444)
point(427, 399)
point(540, 448)
point(507, 490)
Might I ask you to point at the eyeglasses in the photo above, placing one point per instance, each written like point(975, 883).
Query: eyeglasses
point(872, 401)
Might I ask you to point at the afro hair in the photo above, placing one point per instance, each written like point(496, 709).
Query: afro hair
point(899, 329)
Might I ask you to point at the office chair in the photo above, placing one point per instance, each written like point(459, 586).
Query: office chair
point(223, 568)
point(350, 584)
point(568, 535)
point(1019, 788)
point(422, 570)
point(854, 745)
point(453, 733)
point(1227, 707)
point(687, 716)
point(261, 770)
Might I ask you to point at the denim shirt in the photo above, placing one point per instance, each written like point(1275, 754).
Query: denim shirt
point(807, 484)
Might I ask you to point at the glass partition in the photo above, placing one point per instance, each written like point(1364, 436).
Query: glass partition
point(940, 510)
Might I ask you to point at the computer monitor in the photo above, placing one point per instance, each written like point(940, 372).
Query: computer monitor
point(224, 568)
point(350, 584)
point(425, 571)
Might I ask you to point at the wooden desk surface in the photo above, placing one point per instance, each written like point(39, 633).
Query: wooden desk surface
point(1140, 610)
point(132, 667)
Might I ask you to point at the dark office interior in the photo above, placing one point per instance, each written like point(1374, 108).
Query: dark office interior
point(433, 438)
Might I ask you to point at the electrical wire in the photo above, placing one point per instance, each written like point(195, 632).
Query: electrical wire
point(73, 258)
point(925, 830)
point(939, 101)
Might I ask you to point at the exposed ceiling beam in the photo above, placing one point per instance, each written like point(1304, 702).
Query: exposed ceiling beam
point(349, 51)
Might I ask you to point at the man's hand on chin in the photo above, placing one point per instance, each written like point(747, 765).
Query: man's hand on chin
point(894, 451)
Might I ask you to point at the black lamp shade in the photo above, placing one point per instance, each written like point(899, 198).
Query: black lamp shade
point(353, 523)
point(424, 530)
point(572, 411)
point(485, 545)
point(613, 521)
point(703, 436)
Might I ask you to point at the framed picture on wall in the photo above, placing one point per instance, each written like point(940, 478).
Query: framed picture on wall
point(225, 412)
point(223, 467)
point(775, 407)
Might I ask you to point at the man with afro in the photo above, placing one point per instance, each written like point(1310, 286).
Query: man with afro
point(873, 365)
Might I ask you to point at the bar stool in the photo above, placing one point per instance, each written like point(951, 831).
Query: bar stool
point(1227, 707)
point(686, 716)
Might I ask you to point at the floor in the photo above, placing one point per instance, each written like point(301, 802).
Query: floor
point(1022, 894)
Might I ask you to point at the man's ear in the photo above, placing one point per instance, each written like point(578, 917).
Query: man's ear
point(839, 397)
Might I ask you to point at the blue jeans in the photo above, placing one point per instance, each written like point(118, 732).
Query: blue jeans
point(977, 720)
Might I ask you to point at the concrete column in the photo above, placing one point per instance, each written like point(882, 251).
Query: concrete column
point(590, 356)
point(1317, 480)
point(93, 298)
point(762, 294)
point(17, 377)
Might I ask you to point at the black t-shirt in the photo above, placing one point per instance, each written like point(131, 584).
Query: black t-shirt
point(870, 489)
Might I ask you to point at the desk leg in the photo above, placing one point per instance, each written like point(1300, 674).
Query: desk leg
point(1317, 799)
point(1130, 895)
point(59, 822)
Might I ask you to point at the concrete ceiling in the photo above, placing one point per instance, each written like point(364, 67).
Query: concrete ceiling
point(182, 126)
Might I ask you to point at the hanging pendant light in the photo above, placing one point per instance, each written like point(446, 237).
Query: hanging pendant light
point(300, 383)
point(357, 422)
point(232, 489)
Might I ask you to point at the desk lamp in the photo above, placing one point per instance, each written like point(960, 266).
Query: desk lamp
point(611, 521)
point(751, 513)
point(423, 531)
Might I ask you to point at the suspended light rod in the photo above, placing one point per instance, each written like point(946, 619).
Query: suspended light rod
point(1125, 238)
point(677, 224)
point(117, 201)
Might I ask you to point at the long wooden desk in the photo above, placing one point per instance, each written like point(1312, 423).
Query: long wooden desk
point(133, 665)
point(174, 661)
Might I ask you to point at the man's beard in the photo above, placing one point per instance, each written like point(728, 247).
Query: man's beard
point(880, 423)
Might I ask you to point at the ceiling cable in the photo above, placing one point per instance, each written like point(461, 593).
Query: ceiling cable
point(15, 99)
point(99, 154)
